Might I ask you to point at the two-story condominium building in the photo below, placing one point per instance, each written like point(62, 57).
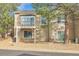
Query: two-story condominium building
point(28, 28)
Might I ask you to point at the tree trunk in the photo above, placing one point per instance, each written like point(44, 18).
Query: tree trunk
point(66, 27)
point(65, 35)
point(48, 32)
point(73, 24)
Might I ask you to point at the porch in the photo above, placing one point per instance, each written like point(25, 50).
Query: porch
point(25, 34)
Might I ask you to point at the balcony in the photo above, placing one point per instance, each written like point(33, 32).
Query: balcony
point(27, 25)
point(26, 22)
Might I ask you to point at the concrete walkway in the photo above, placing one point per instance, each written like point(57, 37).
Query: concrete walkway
point(42, 46)
point(6, 52)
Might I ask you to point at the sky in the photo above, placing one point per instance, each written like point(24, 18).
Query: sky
point(26, 6)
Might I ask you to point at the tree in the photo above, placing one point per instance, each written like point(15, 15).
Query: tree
point(47, 12)
point(6, 17)
point(69, 10)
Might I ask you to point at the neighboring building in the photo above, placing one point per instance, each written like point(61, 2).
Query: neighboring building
point(27, 27)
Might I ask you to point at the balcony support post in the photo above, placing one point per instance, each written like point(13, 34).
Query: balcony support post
point(17, 35)
point(34, 36)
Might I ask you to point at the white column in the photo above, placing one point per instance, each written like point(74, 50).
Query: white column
point(34, 35)
point(17, 38)
point(67, 35)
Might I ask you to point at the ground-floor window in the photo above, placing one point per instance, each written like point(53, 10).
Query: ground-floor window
point(28, 34)
point(61, 35)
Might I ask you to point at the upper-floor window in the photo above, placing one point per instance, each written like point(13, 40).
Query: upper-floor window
point(27, 20)
point(43, 20)
point(61, 19)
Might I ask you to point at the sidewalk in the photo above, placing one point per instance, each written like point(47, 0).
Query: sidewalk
point(44, 46)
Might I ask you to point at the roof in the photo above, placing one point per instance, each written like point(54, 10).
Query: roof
point(25, 12)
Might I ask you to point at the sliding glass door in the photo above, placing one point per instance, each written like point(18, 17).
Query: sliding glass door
point(61, 36)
